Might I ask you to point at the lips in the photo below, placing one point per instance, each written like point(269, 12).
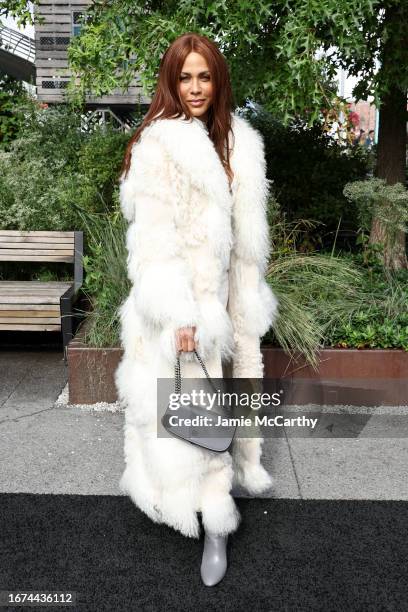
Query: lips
point(196, 102)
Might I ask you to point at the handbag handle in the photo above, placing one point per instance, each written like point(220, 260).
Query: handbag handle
point(177, 374)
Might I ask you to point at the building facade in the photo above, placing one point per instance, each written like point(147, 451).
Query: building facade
point(52, 37)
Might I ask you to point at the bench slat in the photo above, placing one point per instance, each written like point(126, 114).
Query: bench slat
point(30, 299)
point(20, 284)
point(32, 289)
point(34, 282)
point(46, 311)
point(35, 246)
point(44, 298)
point(30, 327)
point(29, 291)
point(32, 307)
point(36, 233)
point(34, 239)
point(65, 258)
point(31, 320)
point(38, 251)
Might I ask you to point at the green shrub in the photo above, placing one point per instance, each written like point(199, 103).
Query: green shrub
point(12, 95)
point(374, 198)
point(316, 291)
point(106, 283)
point(99, 162)
point(309, 170)
point(53, 170)
point(381, 320)
point(348, 301)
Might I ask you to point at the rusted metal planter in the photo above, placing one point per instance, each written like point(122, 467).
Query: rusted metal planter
point(345, 376)
point(356, 377)
point(91, 371)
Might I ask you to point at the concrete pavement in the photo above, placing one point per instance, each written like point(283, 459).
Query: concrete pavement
point(48, 446)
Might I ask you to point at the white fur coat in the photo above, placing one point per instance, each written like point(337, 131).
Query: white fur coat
point(188, 237)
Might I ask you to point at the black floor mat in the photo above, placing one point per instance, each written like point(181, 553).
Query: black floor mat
point(287, 555)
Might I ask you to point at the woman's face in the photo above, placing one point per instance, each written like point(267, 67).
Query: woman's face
point(195, 83)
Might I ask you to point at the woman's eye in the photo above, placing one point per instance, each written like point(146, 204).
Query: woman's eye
point(205, 78)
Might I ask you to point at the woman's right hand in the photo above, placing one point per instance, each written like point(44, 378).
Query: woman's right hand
point(185, 339)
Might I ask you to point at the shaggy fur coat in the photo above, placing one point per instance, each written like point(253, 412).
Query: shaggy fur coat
point(197, 255)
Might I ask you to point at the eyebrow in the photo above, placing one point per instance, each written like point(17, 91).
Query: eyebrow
point(201, 73)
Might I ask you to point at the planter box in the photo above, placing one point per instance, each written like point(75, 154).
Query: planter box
point(355, 377)
point(91, 371)
point(359, 377)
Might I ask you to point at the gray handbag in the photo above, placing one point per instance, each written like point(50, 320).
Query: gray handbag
point(205, 431)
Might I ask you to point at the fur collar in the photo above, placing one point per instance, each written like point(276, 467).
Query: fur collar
point(188, 144)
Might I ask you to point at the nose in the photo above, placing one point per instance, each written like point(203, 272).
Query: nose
point(195, 86)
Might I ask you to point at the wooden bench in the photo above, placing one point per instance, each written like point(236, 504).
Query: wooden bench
point(37, 305)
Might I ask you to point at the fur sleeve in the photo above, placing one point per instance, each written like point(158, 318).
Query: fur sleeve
point(160, 276)
point(252, 304)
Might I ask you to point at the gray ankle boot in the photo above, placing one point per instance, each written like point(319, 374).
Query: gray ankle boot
point(214, 561)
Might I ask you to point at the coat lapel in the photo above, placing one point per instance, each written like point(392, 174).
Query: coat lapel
point(188, 144)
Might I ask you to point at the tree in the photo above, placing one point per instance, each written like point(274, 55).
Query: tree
point(392, 137)
point(283, 55)
point(20, 10)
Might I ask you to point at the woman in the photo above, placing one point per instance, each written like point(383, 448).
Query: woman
point(198, 245)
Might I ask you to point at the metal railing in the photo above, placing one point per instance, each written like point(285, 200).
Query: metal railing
point(105, 116)
point(17, 43)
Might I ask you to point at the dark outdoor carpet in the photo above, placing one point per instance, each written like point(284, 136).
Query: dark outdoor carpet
point(287, 555)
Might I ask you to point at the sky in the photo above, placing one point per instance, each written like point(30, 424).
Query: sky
point(9, 22)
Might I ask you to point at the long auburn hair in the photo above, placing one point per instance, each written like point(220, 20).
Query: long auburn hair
point(166, 102)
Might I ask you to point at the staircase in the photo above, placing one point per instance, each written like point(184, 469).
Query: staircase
point(17, 54)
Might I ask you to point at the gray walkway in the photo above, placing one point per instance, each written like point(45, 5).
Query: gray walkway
point(50, 447)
